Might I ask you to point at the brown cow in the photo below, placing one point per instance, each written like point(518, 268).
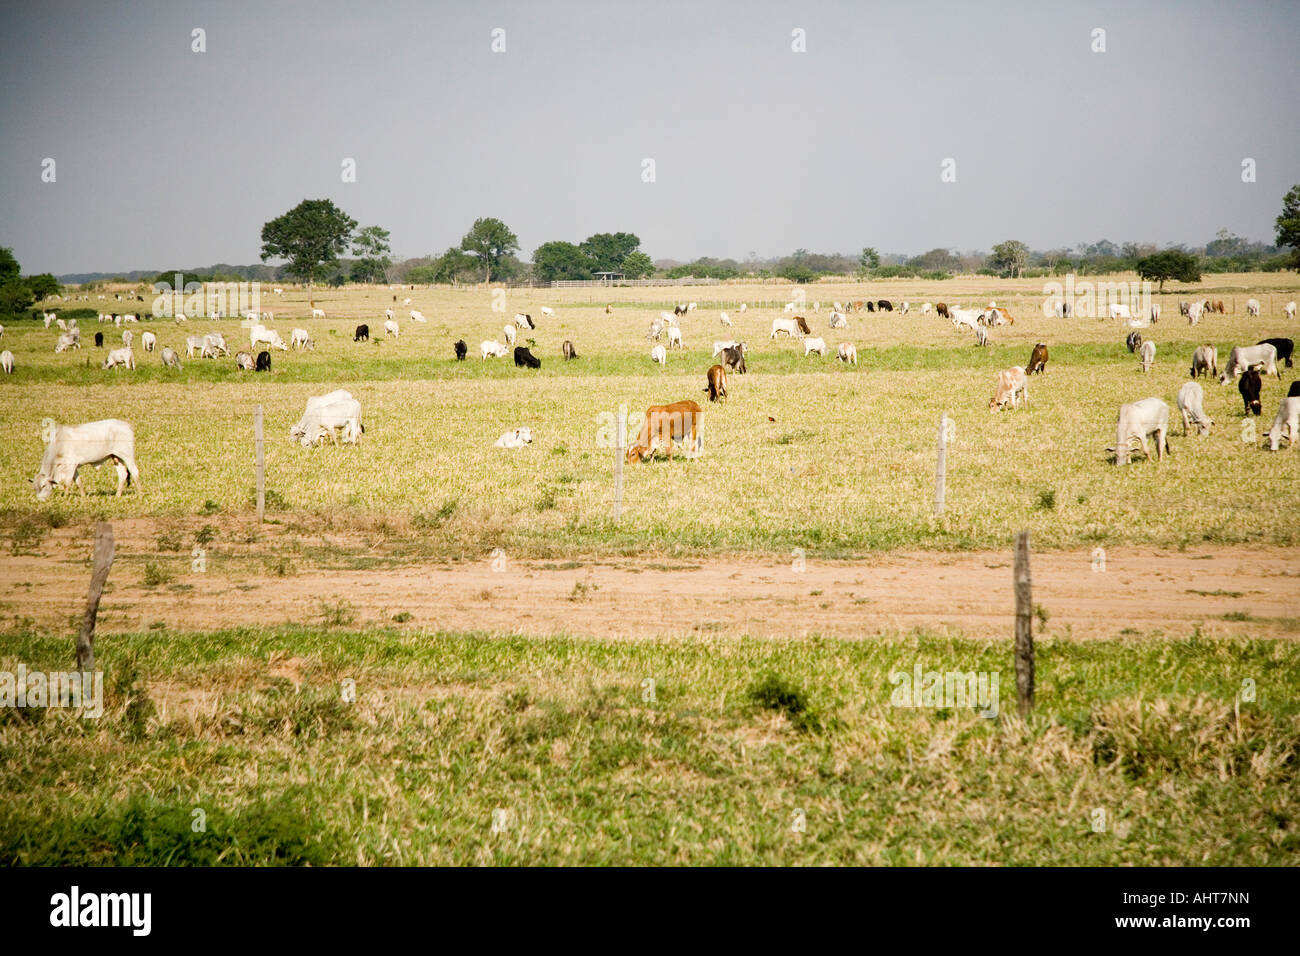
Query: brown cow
point(942, 310)
point(663, 423)
point(1038, 359)
point(1218, 307)
point(717, 387)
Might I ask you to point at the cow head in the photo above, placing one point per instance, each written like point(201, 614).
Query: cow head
point(42, 485)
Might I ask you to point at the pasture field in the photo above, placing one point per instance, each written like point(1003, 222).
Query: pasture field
point(805, 453)
point(473, 748)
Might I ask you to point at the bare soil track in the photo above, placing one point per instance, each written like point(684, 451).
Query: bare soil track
point(1223, 591)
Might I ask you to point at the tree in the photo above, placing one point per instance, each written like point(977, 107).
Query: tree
point(453, 266)
point(15, 297)
point(1170, 264)
point(488, 241)
point(936, 260)
point(9, 268)
point(553, 261)
point(310, 236)
point(797, 273)
point(371, 244)
point(1288, 227)
point(870, 259)
point(638, 265)
point(1010, 257)
point(43, 286)
point(607, 250)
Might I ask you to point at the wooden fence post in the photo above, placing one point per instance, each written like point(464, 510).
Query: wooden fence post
point(941, 469)
point(100, 563)
point(261, 463)
point(619, 453)
point(1024, 627)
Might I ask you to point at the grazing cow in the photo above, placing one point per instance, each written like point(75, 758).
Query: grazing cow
point(665, 424)
point(547, 311)
point(967, 317)
point(327, 415)
point(791, 327)
point(675, 338)
point(1155, 312)
point(905, 308)
point(656, 330)
point(884, 305)
point(461, 350)
point(1133, 341)
point(388, 313)
point(123, 356)
point(127, 338)
point(418, 316)
point(1191, 402)
point(995, 316)
point(489, 348)
point(391, 328)
point(717, 384)
point(1137, 420)
point(260, 333)
point(981, 336)
point(1194, 311)
point(245, 362)
point(170, 359)
point(839, 321)
point(1037, 360)
point(99, 340)
point(1289, 310)
point(1012, 383)
point(7, 362)
point(362, 334)
point(1205, 361)
point(1288, 416)
point(149, 341)
point(1252, 307)
point(524, 320)
point(318, 313)
point(516, 439)
point(1294, 390)
point(66, 341)
point(214, 344)
point(72, 446)
point(509, 332)
point(723, 346)
point(871, 306)
point(680, 310)
point(814, 345)
point(847, 353)
point(301, 339)
point(789, 307)
point(744, 306)
point(1118, 311)
point(1243, 357)
point(726, 321)
point(659, 354)
point(1249, 386)
point(525, 358)
point(1284, 348)
point(263, 361)
point(568, 351)
point(1217, 306)
point(1148, 353)
point(734, 357)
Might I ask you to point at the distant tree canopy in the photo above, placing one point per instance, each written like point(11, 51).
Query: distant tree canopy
point(553, 261)
point(1288, 227)
point(43, 286)
point(602, 252)
point(9, 268)
point(310, 236)
point(17, 294)
point(1170, 264)
point(371, 245)
point(607, 250)
point(936, 260)
point(489, 241)
point(1010, 258)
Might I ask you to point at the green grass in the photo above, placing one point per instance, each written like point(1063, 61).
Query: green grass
point(587, 767)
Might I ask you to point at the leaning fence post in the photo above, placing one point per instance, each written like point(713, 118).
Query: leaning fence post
point(100, 563)
point(941, 469)
point(619, 441)
point(261, 463)
point(1024, 627)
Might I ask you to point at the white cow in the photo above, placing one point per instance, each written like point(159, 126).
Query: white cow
point(1191, 402)
point(406, 301)
point(1194, 311)
point(127, 336)
point(490, 348)
point(1155, 312)
point(301, 339)
point(169, 358)
point(1288, 416)
point(418, 316)
point(260, 333)
point(1252, 307)
point(327, 414)
point(7, 362)
point(390, 328)
point(656, 330)
point(966, 317)
point(926, 307)
point(848, 352)
point(659, 354)
point(814, 345)
point(1136, 421)
point(1118, 311)
point(122, 356)
point(245, 362)
point(214, 344)
point(789, 326)
point(524, 321)
point(66, 341)
point(725, 321)
point(148, 340)
point(509, 332)
point(719, 346)
point(1012, 383)
point(547, 310)
point(195, 345)
point(1289, 310)
point(72, 446)
point(388, 313)
point(1148, 355)
point(675, 338)
point(49, 319)
point(516, 439)
point(839, 321)
point(743, 306)
point(1244, 357)
point(318, 313)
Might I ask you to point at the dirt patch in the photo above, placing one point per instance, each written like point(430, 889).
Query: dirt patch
point(1221, 590)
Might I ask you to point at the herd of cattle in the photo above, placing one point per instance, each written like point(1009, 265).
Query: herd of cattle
point(336, 416)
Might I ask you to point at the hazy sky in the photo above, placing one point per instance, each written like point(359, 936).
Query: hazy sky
point(168, 158)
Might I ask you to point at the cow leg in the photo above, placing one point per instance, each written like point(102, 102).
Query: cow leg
point(121, 476)
point(133, 475)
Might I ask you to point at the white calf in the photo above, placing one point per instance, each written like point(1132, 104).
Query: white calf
point(814, 345)
point(7, 362)
point(1288, 416)
point(675, 338)
point(848, 352)
point(390, 328)
point(1148, 352)
point(490, 348)
point(659, 354)
point(148, 340)
point(122, 356)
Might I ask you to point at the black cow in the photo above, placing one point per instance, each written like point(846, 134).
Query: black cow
point(1294, 390)
point(461, 349)
point(734, 357)
point(99, 340)
point(680, 310)
point(568, 350)
point(1249, 386)
point(362, 334)
point(264, 361)
point(1134, 341)
point(524, 357)
point(1284, 348)
point(871, 307)
point(884, 305)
